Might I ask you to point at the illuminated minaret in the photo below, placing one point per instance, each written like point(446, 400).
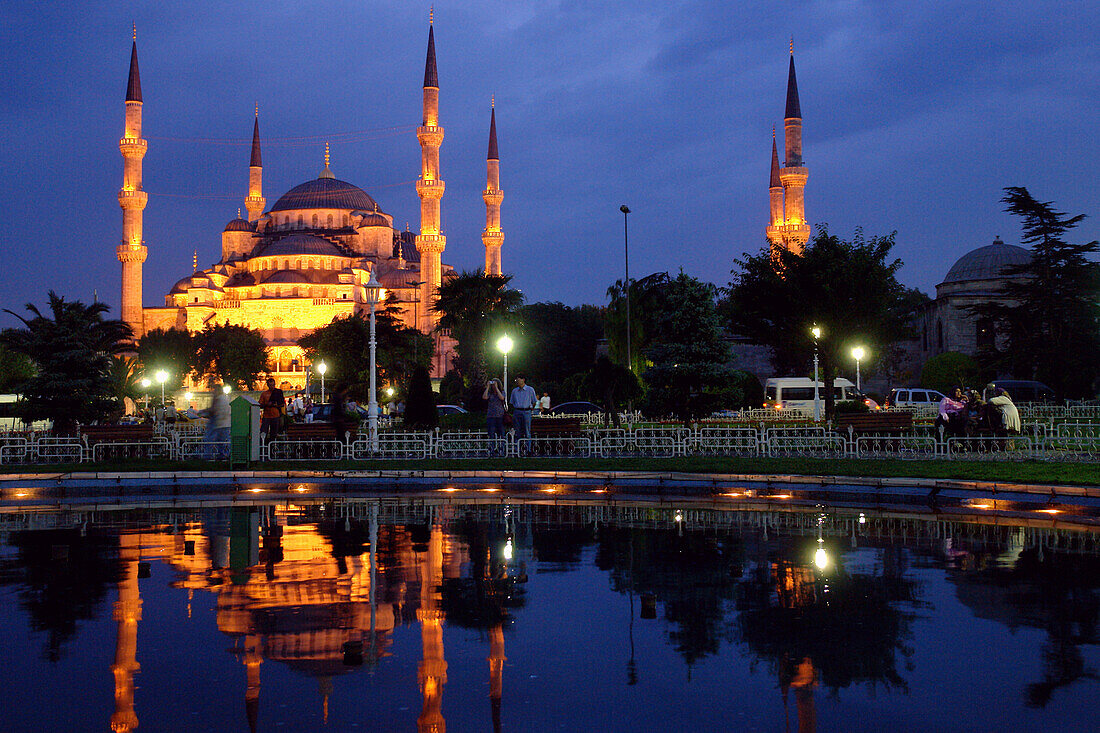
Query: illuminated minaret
point(793, 174)
point(493, 236)
point(132, 251)
point(432, 673)
point(255, 200)
point(430, 242)
point(127, 613)
point(775, 196)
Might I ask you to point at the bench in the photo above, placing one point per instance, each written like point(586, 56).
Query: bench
point(555, 435)
point(319, 431)
point(873, 423)
point(123, 442)
point(93, 434)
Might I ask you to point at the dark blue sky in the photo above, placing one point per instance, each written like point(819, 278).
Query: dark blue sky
point(915, 117)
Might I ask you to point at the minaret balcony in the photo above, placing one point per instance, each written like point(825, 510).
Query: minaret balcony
point(492, 196)
point(132, 199)
point(793, 176)
point(132, 252)
point(430, 135)
point(430, 188)
point(490, 239)
point(430, 242)
point(133, 147)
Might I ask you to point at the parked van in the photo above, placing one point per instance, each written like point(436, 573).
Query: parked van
point(913, 397)
point(797, 393)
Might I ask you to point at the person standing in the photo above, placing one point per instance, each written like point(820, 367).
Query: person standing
point(272, 404)
point(523, 400)
point(1009, 421)
point(544, 404)
point(217, 417)
point(494, 411)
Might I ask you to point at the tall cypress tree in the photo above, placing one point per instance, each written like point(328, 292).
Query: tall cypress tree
point(1049, 320)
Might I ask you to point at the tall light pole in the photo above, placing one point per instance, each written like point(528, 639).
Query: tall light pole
point(145, 386)
point(162, 377)
point(626, 261)
point(816, 333)
point(857, 354)
point(321, 369)
point(374, 297)
point(504, 344)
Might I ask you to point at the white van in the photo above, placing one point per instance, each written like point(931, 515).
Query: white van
point(797, 393)
point(913, 397)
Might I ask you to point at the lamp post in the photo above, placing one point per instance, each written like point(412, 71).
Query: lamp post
point(162, 377)
point(374, 297)
point(321, 369)
point(816, 333)
point(857, 354)
point(145, 386)
point(504, 344)
point(626, 261)
point(225, 389)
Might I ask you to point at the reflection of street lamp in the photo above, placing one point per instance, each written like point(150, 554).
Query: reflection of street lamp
point(145, 386)
point(821, 558)
point(505, 345)
point(816, 333)
point(162, 377)
point(857, 354)
point(374, 297)
point(321, 369)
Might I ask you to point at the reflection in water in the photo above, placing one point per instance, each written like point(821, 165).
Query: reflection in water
point(320, 589)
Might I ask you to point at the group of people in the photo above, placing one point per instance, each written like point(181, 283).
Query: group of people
point(964, 413)
point(524, 403)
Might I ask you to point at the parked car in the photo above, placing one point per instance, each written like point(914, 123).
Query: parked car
point(574, 408)
point(323, 413)
point(913, 397)
point(451, 409)
point(1021, 390)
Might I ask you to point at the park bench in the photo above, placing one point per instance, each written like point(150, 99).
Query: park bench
point(873, 423)
point(556, 436)
point(320, 431)
point(123, 442)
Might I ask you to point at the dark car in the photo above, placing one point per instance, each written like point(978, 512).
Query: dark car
point(574, 408)
point(1021, 390)
point(451, 409)
point(323, 413)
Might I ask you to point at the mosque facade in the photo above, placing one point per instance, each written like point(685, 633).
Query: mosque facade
point(305, 261)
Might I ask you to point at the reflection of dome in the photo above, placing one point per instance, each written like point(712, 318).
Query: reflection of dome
point(301, 244)
point(325, 193)
point(238, 225)
point(987, 263)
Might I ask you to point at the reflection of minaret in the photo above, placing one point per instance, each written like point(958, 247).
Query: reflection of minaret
point(253, 657)
point(805, 678)
point(496, 671)
point(127, 614)
point(433, 668)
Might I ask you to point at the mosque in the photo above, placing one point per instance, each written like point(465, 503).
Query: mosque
point(295, 267)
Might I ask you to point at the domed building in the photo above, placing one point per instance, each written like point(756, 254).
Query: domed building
point(295, 267)
point(976, 278)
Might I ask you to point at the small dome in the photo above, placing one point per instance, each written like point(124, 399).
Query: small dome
point(991, 262)
point(301, 244)
point(325, 193)
point(239, 225)
point(181, 286)
point(374, 219)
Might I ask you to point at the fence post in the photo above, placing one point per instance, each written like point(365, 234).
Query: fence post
point(851, 442)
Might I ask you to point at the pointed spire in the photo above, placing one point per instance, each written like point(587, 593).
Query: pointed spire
point(195, 261)
point(493, 135)
point(793, 108)
point(775, 182)
point(431, 79)
point(238, 212)
point(133, 86)
point(256, 161)
point(326, 173)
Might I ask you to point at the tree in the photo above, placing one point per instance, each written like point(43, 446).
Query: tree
point(15, 368)
point(611, 385)
point(420, 410)
point(124, 375)
point(558, 341)
point(645, 300)
point(71, 348)
point(232, 354)
point(850, 289)
point(1049, 317)
point(172, 350)
point(475, 307)
point(689, 373)
point(948, 370)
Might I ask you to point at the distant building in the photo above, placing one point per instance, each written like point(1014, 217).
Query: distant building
point(788, 228)
point(290, 269)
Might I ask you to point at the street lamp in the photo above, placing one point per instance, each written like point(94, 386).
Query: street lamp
point(374, 297)
point(321, 369)
point(162, 377)
point(225, 389)
point(145, 386)
point(626, 260)
point(504, 344)
point(816, 333)
point(857, 354)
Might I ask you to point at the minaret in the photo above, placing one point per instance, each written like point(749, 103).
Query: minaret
point(793, 174)
point(132, 251)
point(492, 237)
point(127, 614)
point(775, 195)
point(255, 200)
point(430, 243)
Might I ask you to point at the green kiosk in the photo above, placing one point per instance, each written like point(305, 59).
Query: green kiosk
point(244, 431)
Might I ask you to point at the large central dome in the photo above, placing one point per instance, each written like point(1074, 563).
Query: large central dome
point(325, 193)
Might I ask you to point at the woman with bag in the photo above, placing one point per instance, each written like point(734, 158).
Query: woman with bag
point(495, 409)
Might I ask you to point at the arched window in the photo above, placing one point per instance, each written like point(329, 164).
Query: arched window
point(298, 264)
point(330, 221)
point(314, 221)
point(939, 335)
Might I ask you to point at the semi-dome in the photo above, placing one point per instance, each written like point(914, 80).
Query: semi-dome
point(239, 225)
point(991, 262)
point(325, 193)
point(286, 276)
point(302, 244)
